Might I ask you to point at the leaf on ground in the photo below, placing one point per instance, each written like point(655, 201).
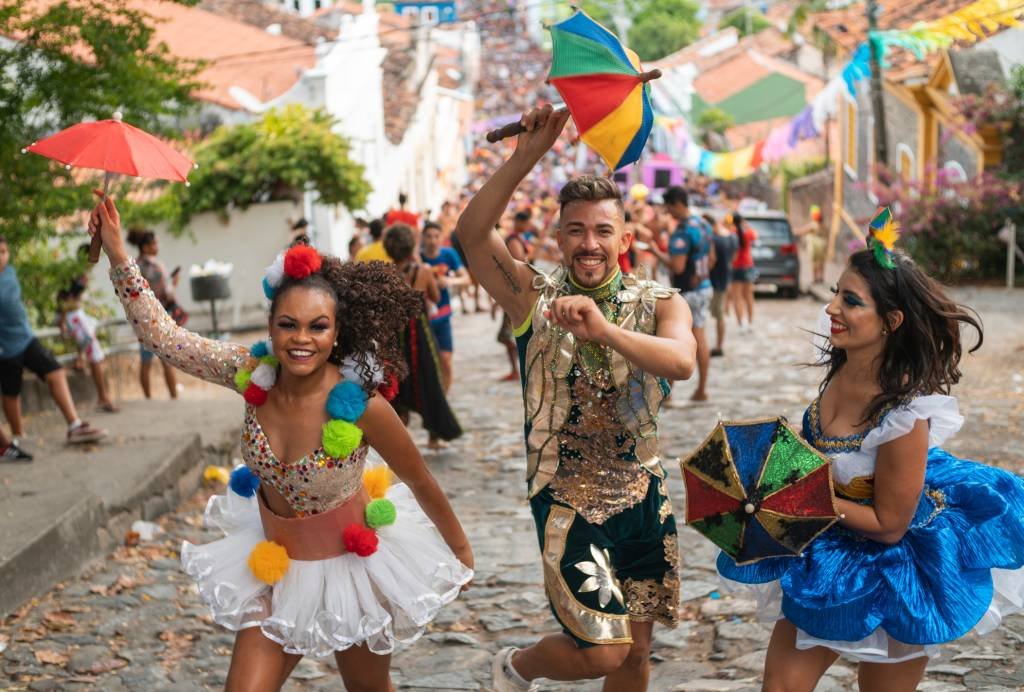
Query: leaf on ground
point(122, 582)
point(131, 538)
point(49, 656)
point(31, 634)
point(105, 665)
point(178, 645)
point(98, 589)
point(59, 620)
point(83, 678)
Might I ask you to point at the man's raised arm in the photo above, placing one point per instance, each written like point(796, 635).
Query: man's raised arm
point(506, 279)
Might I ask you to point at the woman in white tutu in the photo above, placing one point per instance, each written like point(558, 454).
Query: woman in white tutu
point(318, 556)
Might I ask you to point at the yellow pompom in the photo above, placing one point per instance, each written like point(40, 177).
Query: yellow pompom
point(217, 474)
point(268, 562)
point(377, 481)
point(341, 438)
point(888, 234)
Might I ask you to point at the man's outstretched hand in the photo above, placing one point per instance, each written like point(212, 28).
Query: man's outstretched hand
point(543, 125)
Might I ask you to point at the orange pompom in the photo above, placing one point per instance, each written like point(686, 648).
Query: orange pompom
point(360, 540)
point(254, 395)
point(377, 480)
point(268, 562)
point(301, 261)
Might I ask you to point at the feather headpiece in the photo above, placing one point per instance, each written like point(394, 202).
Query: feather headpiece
point(883, 232)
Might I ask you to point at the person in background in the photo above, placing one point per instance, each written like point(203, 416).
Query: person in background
point(726, 245)
point(374, 252)
point(12, 452)
point(299, 234)
point(21, 350)
point(813, 234)
point(355, 245)
point(741, 290)
point(402, 215)
point(74, 322)
point(423, 390)
point(163, 285)
point(691, 255)
point(448, 272)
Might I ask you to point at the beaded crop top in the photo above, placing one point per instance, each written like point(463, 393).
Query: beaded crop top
point(313, 484)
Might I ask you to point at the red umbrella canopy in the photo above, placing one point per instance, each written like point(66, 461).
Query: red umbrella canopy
point(115, 147)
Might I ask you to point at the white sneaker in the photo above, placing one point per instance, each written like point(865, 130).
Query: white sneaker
point(501, 679)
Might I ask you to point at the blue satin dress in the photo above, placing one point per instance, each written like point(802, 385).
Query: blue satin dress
point(959, 567)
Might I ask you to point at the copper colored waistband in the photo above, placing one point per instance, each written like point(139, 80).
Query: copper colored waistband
point(317, 536)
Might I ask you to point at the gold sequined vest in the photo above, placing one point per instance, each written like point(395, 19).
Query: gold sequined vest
point(551, 354)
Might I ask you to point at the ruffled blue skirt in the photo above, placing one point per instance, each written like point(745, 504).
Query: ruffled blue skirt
point(958, 567)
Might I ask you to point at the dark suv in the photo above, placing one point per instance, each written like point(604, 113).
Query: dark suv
point(775, 252)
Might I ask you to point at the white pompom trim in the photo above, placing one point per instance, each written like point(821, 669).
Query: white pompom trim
point(264, 376)
point(352, 371)
point(275, 272)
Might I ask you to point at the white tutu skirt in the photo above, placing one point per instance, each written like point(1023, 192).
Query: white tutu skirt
point(323, 606)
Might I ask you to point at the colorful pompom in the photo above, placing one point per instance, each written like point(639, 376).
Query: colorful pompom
point(377, 480)
point(270, 360)
point(255, 396)
point(380, 513)
point(340, 438)
point(389, 389)
point(268, 290)
point(359, 540)
point(260, 349)
point(264, 376)
point(268, 562)
point(347, 401)
point(274, 273)
point(301, 261)
point(244, 482)
point(242, 378)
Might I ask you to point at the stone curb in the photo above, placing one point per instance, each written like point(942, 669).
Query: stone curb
point(89, 529)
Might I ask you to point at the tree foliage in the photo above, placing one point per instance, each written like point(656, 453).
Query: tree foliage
point(715, 120)
point(72, 60)
point(659, 27)
point(738, 19)
point(952, 227)
point(277, 157)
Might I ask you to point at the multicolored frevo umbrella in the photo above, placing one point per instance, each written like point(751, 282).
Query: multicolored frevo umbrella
point(604, 87)
point(757, 490)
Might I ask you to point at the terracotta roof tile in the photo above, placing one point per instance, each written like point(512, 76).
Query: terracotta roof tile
point(400, 100)
point(729, 77)
point(237, 54)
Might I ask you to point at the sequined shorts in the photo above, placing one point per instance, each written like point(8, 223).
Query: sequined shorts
point(599, 577)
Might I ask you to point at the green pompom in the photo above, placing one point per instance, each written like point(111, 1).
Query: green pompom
point(380, 513)
point(341, 438)
point(270, 360)
point(242, 378)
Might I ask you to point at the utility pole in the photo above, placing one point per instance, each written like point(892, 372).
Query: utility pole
point(877, 105)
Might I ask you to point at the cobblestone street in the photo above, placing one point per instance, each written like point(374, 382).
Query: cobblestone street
point(135, 622)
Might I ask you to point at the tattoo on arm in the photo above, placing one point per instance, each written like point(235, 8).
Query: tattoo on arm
point(510, 280)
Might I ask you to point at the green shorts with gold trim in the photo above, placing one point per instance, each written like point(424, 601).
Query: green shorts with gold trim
point(599, 577)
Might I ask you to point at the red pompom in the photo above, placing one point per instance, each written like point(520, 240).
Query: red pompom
point(301, 261)
point(360, 540)
point(254, 395)
point(389, 387)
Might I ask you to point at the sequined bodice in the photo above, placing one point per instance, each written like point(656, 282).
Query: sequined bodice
point(313, 484)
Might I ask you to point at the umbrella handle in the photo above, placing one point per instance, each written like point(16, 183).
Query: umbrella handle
point(512, 129)
point(96, 246)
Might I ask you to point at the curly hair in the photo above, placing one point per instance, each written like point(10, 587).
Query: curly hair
point(373, 304)
point(921, 356)
point(399, 242)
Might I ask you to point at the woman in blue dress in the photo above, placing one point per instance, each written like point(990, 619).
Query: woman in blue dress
point(928, 546)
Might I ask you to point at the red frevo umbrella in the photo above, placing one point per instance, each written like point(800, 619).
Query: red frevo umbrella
point(114, 146)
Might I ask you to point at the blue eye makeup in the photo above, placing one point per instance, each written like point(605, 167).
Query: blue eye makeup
point(852, 300)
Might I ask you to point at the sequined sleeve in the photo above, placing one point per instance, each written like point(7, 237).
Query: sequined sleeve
point(207, 359)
